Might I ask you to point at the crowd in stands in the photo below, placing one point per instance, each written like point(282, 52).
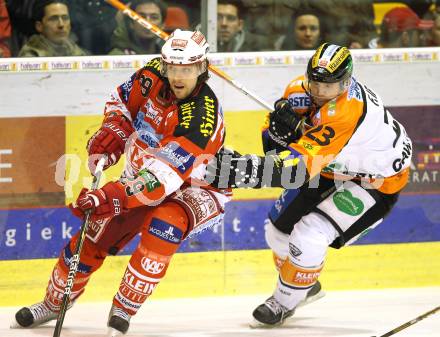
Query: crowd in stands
point(31, 28)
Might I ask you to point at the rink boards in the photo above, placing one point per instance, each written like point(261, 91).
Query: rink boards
point(35, 224)
point(228, 260)
point(239, 272)
point(41, 230)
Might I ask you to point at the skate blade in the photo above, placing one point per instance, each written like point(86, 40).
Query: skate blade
point(311, 299)
point(14, 325)
point(255, 324)
point(114, 333)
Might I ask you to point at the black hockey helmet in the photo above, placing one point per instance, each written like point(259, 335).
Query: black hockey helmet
point(330, 63)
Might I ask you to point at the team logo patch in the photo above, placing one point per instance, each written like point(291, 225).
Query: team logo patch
point(96, 228)
point(165, 231)
point(300, 100)
point(354, 91)
point(198, 38)
point(338, 59)
point(179, 44)
point(294, 250)
point(173, 154)
point(347, 203)
point(186, 114)
point(125, 89)
point(310, 148)
point(331, 111)
point(209, 118)
point(306, 277)
point(144, 180)
point(322, 63)
point(152, 266)
point(145, 132)
point(195, 58)
point(152, 112)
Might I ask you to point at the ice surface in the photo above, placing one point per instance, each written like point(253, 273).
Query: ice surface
point(339, 313)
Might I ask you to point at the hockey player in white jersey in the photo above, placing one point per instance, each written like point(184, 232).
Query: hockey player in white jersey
point(342, 159)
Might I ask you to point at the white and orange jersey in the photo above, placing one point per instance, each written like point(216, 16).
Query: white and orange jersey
point(353, 135)
point(172, 139)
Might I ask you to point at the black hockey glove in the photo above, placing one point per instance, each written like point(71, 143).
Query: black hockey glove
point(230, 169)
point(285, 125)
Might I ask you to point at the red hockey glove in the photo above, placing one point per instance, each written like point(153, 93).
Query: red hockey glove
point(106, 202)
point(110, 139)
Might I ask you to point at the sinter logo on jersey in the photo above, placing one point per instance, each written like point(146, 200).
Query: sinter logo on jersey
point(207, 127)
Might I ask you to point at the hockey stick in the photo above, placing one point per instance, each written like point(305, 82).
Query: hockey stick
point(74, 261)
point(411, 322)
point(163, 35)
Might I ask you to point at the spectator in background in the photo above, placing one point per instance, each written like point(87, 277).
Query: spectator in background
point(177, 18)
point(22, 22)
point(182, 15)
point(93, 23)
point(347, 22)
point(231, 34)
point(52, 22)
point(434, 36)
point(420, 7)
point(436, 9)
point(5, 30)
point(131, 38)
point(400, 28)
point(304, 32)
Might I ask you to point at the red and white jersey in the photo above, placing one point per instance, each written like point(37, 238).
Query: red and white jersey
point(171, 138)
point(353, 135)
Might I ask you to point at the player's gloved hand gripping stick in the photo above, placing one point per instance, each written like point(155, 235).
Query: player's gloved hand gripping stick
point(74, 261)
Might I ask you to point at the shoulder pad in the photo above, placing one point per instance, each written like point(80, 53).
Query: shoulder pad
point(153, 66)
point(296, 83)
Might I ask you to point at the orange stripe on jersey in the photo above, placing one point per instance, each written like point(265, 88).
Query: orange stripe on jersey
point(297, 276)
point(388, 185)
point(294, 86)
point(278, 261)
point(394, 183)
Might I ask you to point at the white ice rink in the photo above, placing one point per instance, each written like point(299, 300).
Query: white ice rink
point(339, 313)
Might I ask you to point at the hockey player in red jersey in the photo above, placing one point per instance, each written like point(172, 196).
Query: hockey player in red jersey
point(168, 122)
point(342, 159)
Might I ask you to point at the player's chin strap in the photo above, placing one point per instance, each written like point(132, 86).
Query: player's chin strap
point(163, 35)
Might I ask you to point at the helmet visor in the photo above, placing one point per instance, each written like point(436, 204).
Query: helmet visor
point(322, 92)
point(183, 71)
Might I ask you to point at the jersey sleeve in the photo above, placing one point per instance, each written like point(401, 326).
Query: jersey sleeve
point(197, 136)
point(127, 98)
point(295, 86)
point(300, 102)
